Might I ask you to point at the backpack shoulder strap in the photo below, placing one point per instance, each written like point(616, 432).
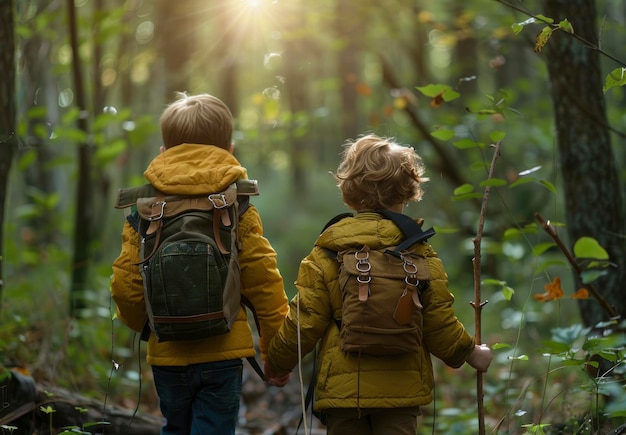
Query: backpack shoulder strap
point(412, 230)
point(127, 197)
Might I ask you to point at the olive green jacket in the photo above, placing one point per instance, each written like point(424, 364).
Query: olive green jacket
point(373, 382)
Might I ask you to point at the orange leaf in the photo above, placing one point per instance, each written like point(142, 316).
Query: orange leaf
point(582, 293)
point(553, 291)
point(363, 89)
point(388, 110)
point(437, 101)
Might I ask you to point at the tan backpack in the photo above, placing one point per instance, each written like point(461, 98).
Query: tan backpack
point(381, 309)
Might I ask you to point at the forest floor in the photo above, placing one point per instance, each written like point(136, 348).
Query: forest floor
point(264, 410)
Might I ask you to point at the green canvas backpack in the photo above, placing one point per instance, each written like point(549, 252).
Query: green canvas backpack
point(189, 259)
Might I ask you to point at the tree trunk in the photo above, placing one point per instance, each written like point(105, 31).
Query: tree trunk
point(296, 95)
point(7, 112)
point(84, 194)
point(348, 28)
point(175, 30)
point(594, 206)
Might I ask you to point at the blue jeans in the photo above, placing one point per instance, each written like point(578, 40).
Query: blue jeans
point(199, 399)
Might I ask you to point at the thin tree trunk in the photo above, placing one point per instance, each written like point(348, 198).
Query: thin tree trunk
point(295, 77)
point(175, 26)
point(594, 205)
point(349, 33)
point(84, 198)
point(7, 112)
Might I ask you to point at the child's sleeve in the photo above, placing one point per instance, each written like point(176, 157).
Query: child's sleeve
point(261, 280)
point(444, 335)
point(126, 282)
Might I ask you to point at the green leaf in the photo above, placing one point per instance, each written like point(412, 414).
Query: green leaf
point(463, 189)
point(465, 144)
point(492, 281)
point(595, 345)
point(570, 334)
point(95, 423)
point(555, 347)
point(520, 181)
point(47, 409)
point(566, 26)
point(497, 346)
point(617, 77)
point(443, 134)
point(518, 27)
point(434, 90)
point(27, 159)
point(542, 247)
point(545, 19)
point(511, 234)
point(109, 152)
point(497, 136)
point(493, 182)
point(548, 185)
point(508, 292)
point(588, 247)
point(37, 112)
point(591, 275)
point(70, 116)
point(545, 265)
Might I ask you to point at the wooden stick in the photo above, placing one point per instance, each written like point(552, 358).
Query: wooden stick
point(477, 303)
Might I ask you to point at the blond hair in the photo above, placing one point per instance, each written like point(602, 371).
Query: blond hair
point(376, 173)
point(197, 119)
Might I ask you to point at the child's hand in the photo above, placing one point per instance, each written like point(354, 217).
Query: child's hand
point(480, 358)
point(274, 379)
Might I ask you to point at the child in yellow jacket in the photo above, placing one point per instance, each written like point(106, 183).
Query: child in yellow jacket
point(199, 381)
point(365, 394)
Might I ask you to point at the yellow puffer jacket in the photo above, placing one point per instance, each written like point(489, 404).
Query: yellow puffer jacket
point(195, 169)
point(373, 382)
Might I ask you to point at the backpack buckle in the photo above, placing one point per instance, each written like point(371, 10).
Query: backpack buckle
point(159, 214)
point(218, 200)
point(364, 267)
point(410, 269)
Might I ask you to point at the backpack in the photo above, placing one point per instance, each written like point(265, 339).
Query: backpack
point(189, 259)
point(381, 308)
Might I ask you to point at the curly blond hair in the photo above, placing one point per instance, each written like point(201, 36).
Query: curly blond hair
point(376, 173)
point(197, 119)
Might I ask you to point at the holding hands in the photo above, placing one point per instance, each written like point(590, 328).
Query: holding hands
point(273, 378)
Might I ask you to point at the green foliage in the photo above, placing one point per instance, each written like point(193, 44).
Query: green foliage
point(615, 78)
point(445, 92)
point(572, 352)
point(545, 375)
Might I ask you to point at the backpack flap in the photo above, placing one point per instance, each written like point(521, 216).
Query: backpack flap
point(128, 196)
point(174, 205)
point(381, 311)
point(387, 266)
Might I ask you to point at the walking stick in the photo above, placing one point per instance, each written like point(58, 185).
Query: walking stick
point(477, 303)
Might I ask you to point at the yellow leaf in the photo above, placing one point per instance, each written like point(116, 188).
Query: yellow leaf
point(542, 38)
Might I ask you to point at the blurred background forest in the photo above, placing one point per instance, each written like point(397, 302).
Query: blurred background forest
point(83, 83)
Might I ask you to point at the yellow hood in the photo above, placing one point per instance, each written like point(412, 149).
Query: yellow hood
point(192, 169)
